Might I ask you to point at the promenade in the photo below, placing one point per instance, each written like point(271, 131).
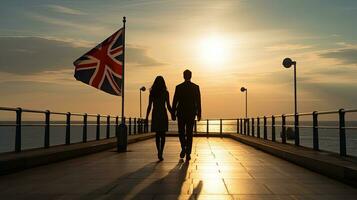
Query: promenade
point(219, 169)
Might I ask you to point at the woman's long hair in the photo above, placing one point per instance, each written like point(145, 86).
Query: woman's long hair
point(158, 87)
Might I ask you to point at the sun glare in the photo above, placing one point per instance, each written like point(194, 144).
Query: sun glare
point(213, 50)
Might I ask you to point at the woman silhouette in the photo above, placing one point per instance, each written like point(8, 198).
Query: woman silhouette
point(159, 96)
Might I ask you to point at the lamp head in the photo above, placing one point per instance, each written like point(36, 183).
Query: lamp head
point(287, 62)
point(143, 88)
point(243, 89)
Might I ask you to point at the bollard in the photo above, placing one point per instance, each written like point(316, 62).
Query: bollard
point(47, 129)
point(85, 126)
point(122, 138)
point(68, 128)
point(315, 130)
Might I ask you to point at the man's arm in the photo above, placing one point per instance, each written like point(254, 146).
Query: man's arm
point(174, 105)
point(198, 103)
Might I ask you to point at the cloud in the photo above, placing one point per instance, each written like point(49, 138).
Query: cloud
point(30, 55)
point(139, 56)
point(65, 10)
point(345, 55)
point(288, 47)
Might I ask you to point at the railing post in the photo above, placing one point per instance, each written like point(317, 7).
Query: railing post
point(85, 127)
point(241, 126)
point(129, 127)
point(265, 131)
point(135, 126)
point(248, 126)
point(18, 130)
point(315, 130)
point(283, 129)
point(258, 127)
point(253, 134)
point(108, 126)
point(342, 129)
point(47, 129)
point(68, 128)
point(97, 135)
point(273, 128)
point(245, 126)
point(237, 125)
point(207, 129)
point(220, 126)
point(297, 130)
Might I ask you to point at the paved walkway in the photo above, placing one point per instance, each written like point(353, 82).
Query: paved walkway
point(219, 169)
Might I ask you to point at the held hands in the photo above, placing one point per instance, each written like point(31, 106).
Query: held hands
point(198, 117)
point(173, 116)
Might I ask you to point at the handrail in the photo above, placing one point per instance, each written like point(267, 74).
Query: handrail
point(136, 126)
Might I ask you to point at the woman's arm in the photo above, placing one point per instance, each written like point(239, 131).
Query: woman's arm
point(168, 103)
point(149, 108)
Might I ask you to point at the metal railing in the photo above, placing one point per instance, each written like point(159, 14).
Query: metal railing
point(258, 127)
point(135, 125)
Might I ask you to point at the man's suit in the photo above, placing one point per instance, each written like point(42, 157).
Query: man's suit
point(186, 106)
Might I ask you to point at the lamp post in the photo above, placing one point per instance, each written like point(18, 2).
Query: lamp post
point(142, 89)
point(243, 89)
point(287, 63)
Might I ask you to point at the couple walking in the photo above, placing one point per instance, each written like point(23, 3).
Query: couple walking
point(186, 106)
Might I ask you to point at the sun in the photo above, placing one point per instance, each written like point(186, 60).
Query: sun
point(213, 50)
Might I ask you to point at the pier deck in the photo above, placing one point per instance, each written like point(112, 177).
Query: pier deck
point(221, 168)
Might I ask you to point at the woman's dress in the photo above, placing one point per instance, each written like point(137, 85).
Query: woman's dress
point(159, 121)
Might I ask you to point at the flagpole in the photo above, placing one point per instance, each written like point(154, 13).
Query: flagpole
point(122, 89)
point(122, 136)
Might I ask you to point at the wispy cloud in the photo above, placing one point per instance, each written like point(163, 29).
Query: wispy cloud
point(65, 10)
point(288, 47)
point(343, 55)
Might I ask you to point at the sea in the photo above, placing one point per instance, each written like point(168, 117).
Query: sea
point(33, 133)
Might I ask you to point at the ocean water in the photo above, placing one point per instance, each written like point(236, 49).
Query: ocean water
point(33, 133)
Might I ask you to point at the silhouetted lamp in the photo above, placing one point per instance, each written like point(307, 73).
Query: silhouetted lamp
point(287, 63)
point(142, 89)
point(243, 89)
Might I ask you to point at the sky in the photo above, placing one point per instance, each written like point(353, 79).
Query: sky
point(226, 44)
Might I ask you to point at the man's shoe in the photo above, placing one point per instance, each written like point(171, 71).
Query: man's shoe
point(182, 154)
point(188, 157)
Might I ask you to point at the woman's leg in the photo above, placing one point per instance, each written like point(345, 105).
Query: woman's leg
point(158, 145)
point(162, 136)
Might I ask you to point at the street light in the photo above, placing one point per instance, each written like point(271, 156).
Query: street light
point(142, 89)
point(287, 63)
point(243, 89)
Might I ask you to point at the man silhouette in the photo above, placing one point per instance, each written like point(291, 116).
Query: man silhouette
point(186, 106)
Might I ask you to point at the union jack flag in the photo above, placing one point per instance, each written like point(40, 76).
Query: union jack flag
point(102, 67)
